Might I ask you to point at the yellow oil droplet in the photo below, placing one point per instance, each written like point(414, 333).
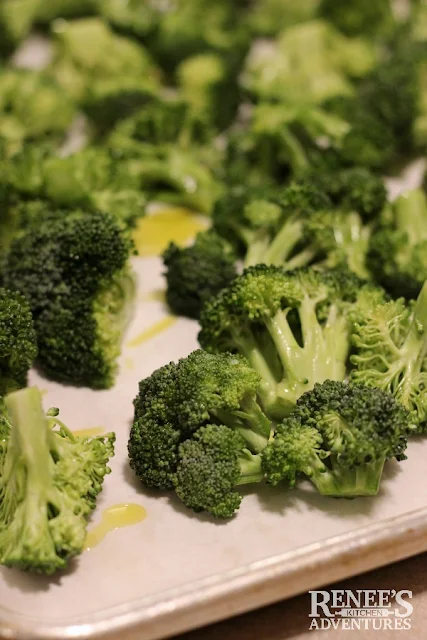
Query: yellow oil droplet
point(152, 331)
point(115, 517)
point(89, 433)
point(154, 232)
point(155, 296)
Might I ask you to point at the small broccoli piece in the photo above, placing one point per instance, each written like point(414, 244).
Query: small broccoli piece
point(269, 17)
point(32, 106)
point(196, 273)
point(398, 248)
point(359, 17)
point(339, 436)
point(178, 399)
point(210, 87)
point(74, 271)
point(355, 189)
point(94, 179)
point(307, 64)
point(18, 347)
point(211, 466)
point(108, 87)
point(16, 17)
point(391, 352)
point(266, 226)
point(293, 327)
point(49, 481)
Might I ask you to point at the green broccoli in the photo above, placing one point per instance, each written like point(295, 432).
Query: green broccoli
point(109, 87)
point(49, 481)
point(369, 18)
point(339, 436)
point(196, 273)
point(178, 399)
point(212, 464)
point(75, 272)
point(398, 248)
point(307, 64)
point(292, 326)
point(18, 346)
point(390, 352)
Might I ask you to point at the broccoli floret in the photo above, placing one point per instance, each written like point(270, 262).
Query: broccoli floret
point(307, 64)
point(49, 481)
point(74, 271)
point(32, 106)
point(18, 347)
point(391, 352)
point(196, 273)
point(359, 17)
point(339, 436)
point(109, 87)
point(211, 466)
point(178, 399)
point(94, 179)
point(292, 327)
point(398, 248)
point(266, 226)
point(16, 17)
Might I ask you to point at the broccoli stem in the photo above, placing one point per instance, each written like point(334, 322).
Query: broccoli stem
point(250, 421)
point(411, 212)
point(284, 242)
point(250, 468)
point(297, 156)
point(341, 482)
point(257, 247)
point(301, 259)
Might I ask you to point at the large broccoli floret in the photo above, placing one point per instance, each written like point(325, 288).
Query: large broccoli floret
point(339, 436)
point(398, 248)
point(196, 273)
point(178, 399)
point(18, 348)
point(49, 481)
point(391, 352)
point(292, 327)
point(211, 466)
point(74, 271)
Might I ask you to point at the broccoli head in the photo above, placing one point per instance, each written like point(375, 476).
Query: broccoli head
point(398, 248)
point(74, 270)
point(292, 326)
point(178, 399)
point(211, 466)
point(49, 481)
point(391, 352)
point(339, 436)
point(196, 273)
point(18, 347)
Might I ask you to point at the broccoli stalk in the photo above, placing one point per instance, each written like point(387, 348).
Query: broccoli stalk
point(339, 436)
point(49, 481)
point(391, 351)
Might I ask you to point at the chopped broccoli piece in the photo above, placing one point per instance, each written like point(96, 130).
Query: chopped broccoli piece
point(49, 481)
point(391, 352)
point(339, 436)
point(196, 273)
point(307, 64)
point(211, 466)
point(292, 327)
point(178, 399)
point(74, 270)
point(369, 18)
point(18, 347)
point(398, 248)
